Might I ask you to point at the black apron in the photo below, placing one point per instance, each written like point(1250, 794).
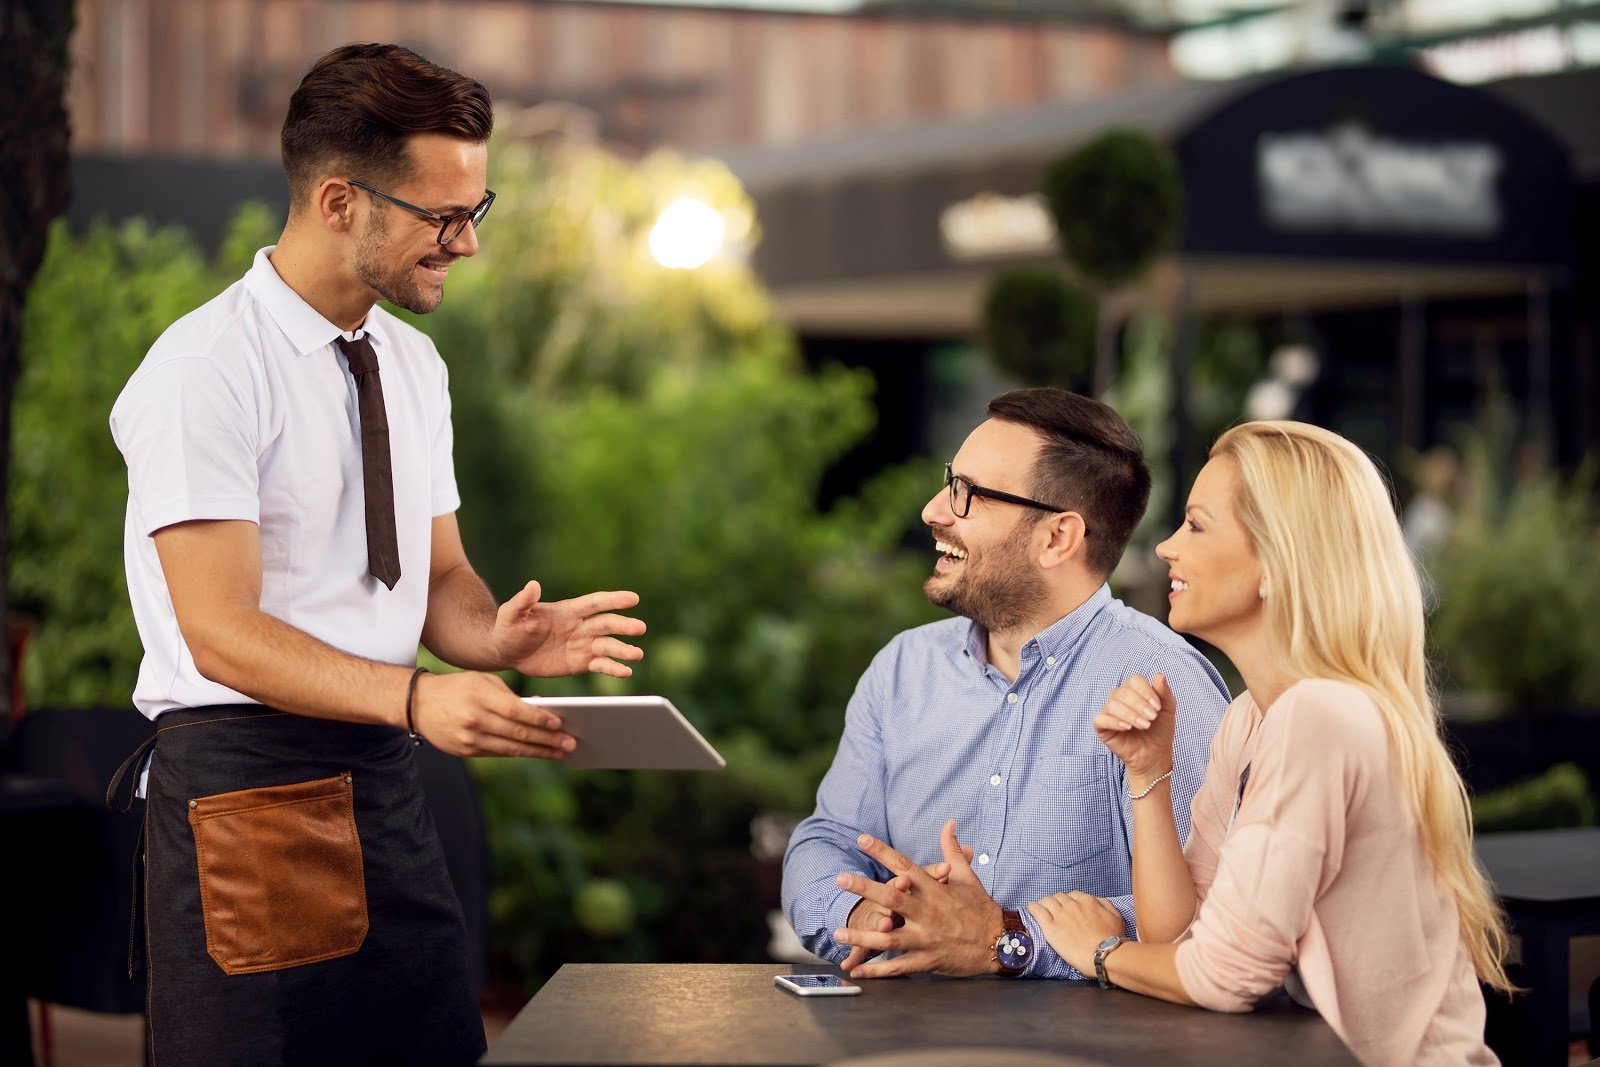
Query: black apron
point(297, 907)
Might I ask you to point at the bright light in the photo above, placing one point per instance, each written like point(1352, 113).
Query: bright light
point(1269, 399)
point(688, 233)
point(1296, 366)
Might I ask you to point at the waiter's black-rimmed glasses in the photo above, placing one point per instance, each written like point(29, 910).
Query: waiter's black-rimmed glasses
point(450, 226)
point(962, 490)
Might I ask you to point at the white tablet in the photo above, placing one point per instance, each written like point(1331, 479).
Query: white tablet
point(631, 734)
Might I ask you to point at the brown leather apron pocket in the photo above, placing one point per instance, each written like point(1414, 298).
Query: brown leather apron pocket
point(281, 880)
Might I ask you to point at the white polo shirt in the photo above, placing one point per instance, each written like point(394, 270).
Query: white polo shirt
point(246, 409)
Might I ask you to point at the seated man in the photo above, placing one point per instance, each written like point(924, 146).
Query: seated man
point(986, 720)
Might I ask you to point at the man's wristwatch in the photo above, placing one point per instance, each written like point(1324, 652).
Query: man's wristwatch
point(1100, 953)
point(1014, 945)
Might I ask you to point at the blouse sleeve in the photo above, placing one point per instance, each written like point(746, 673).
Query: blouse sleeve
point(1286, 845)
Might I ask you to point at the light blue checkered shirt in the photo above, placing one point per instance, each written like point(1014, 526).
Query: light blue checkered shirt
point(933, 732)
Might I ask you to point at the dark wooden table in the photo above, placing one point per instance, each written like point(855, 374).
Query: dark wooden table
point(1549, 881)
point(706, 1013)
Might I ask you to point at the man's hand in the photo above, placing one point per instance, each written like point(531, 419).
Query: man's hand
point(948, 927)
point(876, 918)
point(1075, 924)
point(567, 636)
point(471, 714)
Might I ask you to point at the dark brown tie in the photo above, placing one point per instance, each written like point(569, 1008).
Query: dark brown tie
point(377, 476)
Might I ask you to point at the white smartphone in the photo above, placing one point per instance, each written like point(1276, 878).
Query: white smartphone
point(816, 985)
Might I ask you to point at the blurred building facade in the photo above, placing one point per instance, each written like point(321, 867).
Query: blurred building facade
point(211, 78)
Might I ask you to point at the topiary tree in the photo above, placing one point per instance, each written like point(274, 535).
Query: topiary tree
point(1117, 203)
point(1038, 328)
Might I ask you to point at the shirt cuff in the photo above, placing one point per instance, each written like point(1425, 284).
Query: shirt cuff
point(1046, 963)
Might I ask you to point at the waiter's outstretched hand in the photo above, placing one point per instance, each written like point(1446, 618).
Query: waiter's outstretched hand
point(551, 639)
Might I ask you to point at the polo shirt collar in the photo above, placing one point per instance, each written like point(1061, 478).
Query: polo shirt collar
point(1055, 638)
point(302, 324)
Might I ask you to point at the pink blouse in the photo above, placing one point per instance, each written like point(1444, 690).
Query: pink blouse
point(1305, 856)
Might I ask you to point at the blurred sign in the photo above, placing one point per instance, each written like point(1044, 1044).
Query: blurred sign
point(989, 225)
point(1350, 179)
point(1374, 164)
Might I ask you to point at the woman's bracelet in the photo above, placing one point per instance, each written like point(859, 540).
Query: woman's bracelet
point(1152, 785)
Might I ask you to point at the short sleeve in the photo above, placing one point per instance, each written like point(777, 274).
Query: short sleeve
point(189, 437)
point(446, 497)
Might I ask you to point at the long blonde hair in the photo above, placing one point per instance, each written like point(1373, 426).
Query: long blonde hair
point(1346, 603)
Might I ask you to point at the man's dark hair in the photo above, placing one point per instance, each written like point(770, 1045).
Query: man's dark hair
point(1090, 462)
point(356, 108)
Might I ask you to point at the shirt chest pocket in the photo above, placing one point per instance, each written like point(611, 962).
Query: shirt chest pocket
point(1066, 816)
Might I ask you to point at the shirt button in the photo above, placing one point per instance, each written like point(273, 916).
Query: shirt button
point(994, 779)
point(1051, 660)
point(1011, 698)
point(983, 859)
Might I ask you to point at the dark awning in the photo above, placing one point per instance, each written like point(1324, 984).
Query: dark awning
point(1341, 186)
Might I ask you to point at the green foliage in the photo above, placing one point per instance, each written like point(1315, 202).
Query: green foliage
point(1518, 589)
point(1038, 328)
point(1117, 204)
point(622, 426)
point(96, 306)
point(565, 295)
point(1558, 798)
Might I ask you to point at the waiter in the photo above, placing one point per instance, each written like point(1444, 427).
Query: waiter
point(291, 538)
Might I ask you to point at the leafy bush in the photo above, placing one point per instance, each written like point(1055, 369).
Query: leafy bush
point(96, 306)
point(1558, 798)
point(667, 440)
point(1038, 328)
point(1117, 203)
point(1518, 591)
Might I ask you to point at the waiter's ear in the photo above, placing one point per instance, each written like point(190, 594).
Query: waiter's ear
point(334, 204)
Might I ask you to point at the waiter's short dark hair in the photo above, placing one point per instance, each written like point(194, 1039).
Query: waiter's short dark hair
point(358, 105)
point(1090, 462)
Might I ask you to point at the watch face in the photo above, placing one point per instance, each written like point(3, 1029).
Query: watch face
point(1107, 943)
point(1013, 949)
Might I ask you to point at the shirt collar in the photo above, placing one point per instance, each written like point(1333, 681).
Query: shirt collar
point(301, 323)
point(1058, 636)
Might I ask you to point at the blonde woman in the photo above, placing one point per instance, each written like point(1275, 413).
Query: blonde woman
point(1331, 849)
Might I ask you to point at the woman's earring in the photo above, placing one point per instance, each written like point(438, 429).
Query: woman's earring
point(1262, 591)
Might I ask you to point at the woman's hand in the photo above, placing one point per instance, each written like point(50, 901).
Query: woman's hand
point(1136, 725)
point(1075, 924)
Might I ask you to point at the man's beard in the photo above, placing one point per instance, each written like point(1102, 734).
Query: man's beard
point(394, 284)
point(997, 590)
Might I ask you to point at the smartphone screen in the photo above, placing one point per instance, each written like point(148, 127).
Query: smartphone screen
point(815, 985)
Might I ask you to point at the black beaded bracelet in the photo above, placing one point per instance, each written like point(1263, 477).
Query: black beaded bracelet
point(411, 694)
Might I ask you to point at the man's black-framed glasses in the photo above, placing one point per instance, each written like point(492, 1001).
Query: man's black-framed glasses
point(450, 226)
point(962, 490)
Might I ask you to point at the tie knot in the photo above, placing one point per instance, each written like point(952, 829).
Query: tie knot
point(360, 355)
